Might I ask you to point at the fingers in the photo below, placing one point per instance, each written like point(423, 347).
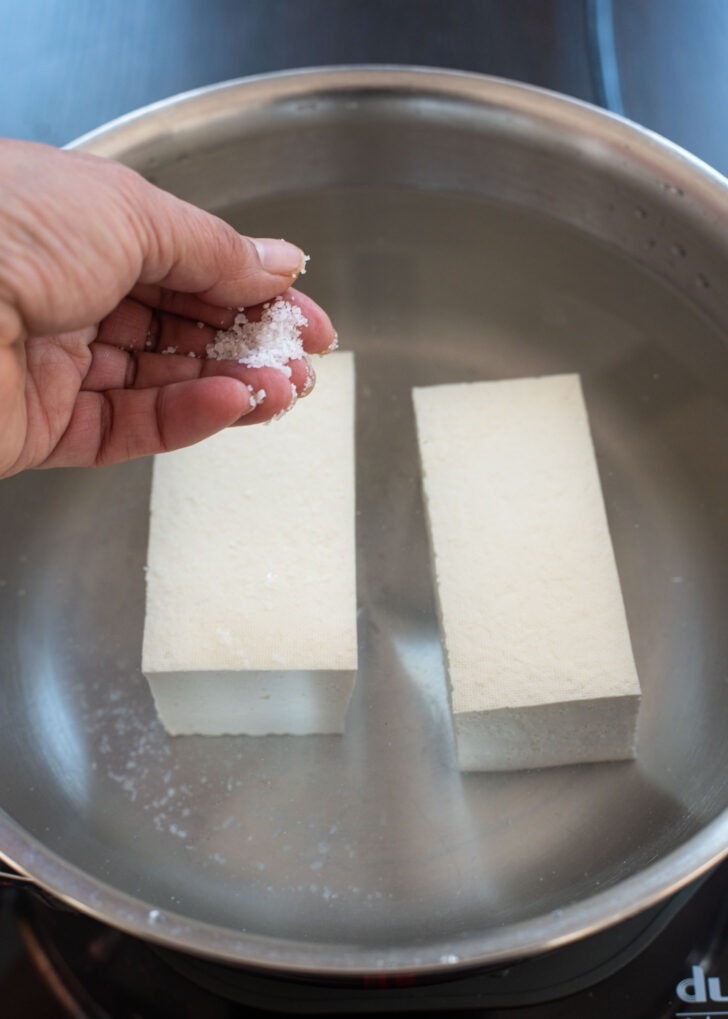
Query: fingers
point(110, 368)
point(273, 393)
point(141, 348)
point(137, 325)
point(80, 231)
point(303, 376)
point(106, 428)
point(187, 249)
point(319, 335)
point(185, 305)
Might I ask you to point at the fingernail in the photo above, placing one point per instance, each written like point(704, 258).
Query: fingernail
point(279, 257)
point(310, 382)
point(334, 345)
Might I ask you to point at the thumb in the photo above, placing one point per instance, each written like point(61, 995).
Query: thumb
point(77, 232)
point(189, 250)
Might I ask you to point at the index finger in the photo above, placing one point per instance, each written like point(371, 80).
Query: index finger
point(185, 248)
point(185, 305)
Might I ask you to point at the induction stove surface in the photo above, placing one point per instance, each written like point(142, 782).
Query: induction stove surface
point(669, 963)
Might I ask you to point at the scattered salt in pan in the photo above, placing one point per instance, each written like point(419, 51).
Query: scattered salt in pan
point(270, 343)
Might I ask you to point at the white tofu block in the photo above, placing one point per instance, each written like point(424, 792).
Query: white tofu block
point(540, 665)
point(251, 589)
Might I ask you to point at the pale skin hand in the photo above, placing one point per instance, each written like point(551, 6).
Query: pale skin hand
point(100, 272)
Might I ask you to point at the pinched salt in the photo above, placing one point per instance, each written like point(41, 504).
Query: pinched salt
point(269, 343)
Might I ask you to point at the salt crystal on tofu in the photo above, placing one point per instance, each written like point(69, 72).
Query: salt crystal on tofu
point(540, 664)
point(251, 590)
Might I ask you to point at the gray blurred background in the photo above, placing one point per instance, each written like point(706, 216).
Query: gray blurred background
point(70, 65)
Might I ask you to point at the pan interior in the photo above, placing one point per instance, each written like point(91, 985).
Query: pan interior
point(375, 840)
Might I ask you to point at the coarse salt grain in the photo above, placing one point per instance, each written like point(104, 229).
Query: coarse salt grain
point(256, 396)
point(310, 382)
point(270, 343)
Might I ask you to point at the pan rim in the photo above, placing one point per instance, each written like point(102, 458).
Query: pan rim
point(94, 898)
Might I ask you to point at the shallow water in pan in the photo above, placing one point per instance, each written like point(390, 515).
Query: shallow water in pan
point(375, 839)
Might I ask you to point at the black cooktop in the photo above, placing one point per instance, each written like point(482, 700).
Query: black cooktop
point(669, 963)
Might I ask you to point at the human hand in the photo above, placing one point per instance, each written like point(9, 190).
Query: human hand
point(100, 271)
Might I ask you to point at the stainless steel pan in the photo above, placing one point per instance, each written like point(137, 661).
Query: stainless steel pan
point(459, 228)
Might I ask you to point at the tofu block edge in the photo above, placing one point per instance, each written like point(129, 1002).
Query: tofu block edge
point(250, 623)
point(539, 659)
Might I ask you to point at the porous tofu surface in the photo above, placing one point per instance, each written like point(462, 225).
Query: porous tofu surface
point(530, 603)
point(251, 557)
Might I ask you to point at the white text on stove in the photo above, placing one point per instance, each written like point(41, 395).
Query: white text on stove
point(699, 989)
